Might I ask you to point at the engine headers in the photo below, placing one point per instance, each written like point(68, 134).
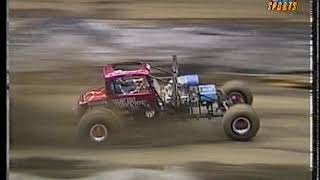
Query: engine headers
point(191, 92)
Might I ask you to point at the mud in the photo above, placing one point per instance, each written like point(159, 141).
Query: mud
point(44, 140)
point(73, 169)
point(57, 50)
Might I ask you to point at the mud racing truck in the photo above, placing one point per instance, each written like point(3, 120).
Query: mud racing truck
point(131, 90)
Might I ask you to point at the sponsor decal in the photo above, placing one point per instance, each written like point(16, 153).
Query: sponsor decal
point(130, 102)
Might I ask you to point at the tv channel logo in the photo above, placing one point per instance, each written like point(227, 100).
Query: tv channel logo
point(282, 5)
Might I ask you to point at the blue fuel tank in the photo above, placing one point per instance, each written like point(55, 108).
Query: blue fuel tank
point(208, 93)
point(189, 80)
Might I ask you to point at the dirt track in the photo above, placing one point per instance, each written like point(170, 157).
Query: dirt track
point(44, 138)
point(57, 50)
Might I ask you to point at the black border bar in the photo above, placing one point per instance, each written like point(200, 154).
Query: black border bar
point(315, 89)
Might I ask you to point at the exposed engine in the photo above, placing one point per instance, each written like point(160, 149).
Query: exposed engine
point(191, 93)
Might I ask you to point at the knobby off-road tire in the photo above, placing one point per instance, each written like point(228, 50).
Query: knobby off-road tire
point(238, 89)
point(97, 126)
point(241, 122)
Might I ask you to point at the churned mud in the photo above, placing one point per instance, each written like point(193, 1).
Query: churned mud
point(57, 50)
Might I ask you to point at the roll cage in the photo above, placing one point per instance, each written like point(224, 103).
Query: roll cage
point(123, 69)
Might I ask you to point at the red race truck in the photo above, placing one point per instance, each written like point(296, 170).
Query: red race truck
point(131, 90)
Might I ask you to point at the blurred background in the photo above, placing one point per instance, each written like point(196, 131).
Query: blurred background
point(57, 49)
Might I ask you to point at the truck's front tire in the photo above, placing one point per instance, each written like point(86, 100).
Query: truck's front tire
point(241, 122)
point(97, 127)
point(238, 92)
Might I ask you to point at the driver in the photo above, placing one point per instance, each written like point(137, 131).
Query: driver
point(139, 85)
point(124, 86)
point(130, 86)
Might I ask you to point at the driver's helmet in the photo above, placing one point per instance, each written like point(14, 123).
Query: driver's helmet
point(138, 81)
point(119, 81)
point(139, 84)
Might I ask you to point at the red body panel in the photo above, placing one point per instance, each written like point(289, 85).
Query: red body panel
point(109, 72)
point(130, 101)
point(146, 99)
point(136, 100)
point(94, 95)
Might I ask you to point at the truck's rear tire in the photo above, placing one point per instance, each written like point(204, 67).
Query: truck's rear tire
point(238, 92)
point(97, 127)
point(241, 122)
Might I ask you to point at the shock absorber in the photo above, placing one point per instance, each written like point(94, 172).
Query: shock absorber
point(222, 101)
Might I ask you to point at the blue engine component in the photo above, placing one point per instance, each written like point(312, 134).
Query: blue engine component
point(208, 93)
point(189, 80)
